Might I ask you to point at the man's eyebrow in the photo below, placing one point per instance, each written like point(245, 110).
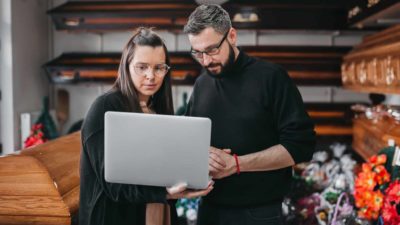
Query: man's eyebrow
point(207, 48)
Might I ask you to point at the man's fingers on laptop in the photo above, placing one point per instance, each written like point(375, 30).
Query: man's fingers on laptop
point(216, 159)
point(215, 165)
point(227, 150)
point(177, 188)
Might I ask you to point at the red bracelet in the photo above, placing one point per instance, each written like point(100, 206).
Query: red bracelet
point(237, 164)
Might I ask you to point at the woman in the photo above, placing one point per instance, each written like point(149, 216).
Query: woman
point(143, 85)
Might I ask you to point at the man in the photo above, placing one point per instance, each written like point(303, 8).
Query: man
point(259, 125)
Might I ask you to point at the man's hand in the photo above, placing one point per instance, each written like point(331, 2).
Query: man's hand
point(221, 163)
point(179, 191)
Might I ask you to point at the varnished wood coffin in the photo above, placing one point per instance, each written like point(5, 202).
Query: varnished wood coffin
point(370, 136)
point(40, 185)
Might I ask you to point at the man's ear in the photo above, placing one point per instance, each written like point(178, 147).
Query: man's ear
point(232, 36)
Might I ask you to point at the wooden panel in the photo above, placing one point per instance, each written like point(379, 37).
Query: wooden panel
point(61, 158)
point(129, 21)
point(27, 184)
point(377, 51)
point(28, 220)
point(388, 36)
point(333, 130)
point(33, 206)
point(331, 114)
point(40, 185)
point(21, 165)
point(25, 176)
point(71, 199)
point(125, 6)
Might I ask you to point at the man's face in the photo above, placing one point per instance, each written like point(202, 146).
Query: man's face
point(212, 50)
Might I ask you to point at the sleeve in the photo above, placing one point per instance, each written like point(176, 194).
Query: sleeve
point(94, 149)
point(295, 127)
point(188, 111)
point(189, 107)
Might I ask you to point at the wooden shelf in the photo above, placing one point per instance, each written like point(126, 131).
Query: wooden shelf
point(373, 14)
point(306, 65)
point(333, 130)
point(332, 121)
point(104, 16)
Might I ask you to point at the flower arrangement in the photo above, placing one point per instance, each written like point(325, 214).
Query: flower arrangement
point(318, 189)
point(188, 208)
point(391, 204)
point(36, 136)
point(369, 185)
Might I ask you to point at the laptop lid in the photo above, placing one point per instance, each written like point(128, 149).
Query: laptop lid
point(156, 150)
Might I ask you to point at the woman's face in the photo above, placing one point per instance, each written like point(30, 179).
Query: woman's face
point(148, 69)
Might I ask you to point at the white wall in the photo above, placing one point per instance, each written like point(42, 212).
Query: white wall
point(392, 100)
point(80, 98)
point(25, 50)
point(7, 109)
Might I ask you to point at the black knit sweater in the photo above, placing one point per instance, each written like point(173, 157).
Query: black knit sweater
point(253, 106)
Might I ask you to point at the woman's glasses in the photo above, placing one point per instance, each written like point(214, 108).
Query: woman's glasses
point(159, 70)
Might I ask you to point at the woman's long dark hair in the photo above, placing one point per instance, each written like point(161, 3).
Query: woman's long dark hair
point(161, 102)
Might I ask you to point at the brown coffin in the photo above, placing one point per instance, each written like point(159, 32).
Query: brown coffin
point(40, 185)
point(370, 136)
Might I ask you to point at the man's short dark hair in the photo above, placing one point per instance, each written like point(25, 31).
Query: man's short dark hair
point(205, 16)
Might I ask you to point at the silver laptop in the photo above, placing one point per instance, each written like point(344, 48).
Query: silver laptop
point(156, 150)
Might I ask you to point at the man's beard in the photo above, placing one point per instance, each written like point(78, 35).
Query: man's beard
point(224, 68)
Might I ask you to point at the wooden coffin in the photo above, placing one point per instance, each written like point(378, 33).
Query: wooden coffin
point(40, 185)
point(374, 65)
point(370, 136)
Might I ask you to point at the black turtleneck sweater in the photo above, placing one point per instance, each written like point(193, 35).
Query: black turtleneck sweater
point(252, 107)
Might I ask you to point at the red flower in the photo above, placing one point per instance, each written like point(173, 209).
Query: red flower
point(368, 197)
point(378, 159)
point(382, 175)
point(366, 180)
point(36, 136)
point(392, 200)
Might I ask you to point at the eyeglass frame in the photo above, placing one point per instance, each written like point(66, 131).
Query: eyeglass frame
point(143, 74)
point(217, 48)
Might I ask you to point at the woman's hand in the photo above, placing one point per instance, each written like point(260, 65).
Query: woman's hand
point(180, 191)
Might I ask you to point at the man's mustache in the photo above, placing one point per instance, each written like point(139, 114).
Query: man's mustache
point(213, 65)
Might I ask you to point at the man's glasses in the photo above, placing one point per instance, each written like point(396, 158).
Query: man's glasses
point(213, 51)
point(159, 70)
